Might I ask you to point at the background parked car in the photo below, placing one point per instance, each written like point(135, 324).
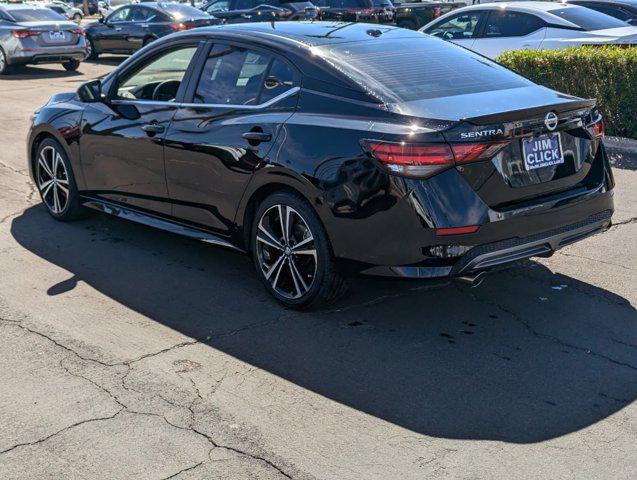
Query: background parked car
point(130, 27)
point(350, 10)
point(92, 6)
point(243, 11)
point(625, 10)
point(30, 34)
point(106, 7)
point(417, 13)
point(71, 13)
point(490, 29)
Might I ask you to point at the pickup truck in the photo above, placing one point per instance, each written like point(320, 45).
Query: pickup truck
point(414, 14)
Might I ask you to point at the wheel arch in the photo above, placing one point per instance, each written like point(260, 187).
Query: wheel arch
point(266, 184)
point(41, 134)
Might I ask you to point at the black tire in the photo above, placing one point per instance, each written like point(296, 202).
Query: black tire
point(148, 40)
point(325, 285)
point(92, 53)
point(71, 65)
point(5, 68)
point(72, 208)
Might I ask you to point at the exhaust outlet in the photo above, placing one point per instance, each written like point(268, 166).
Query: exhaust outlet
point(473, 280)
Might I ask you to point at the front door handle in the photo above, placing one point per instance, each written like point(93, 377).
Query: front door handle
point(153, 128)
point(118, 29)
point(257, 137)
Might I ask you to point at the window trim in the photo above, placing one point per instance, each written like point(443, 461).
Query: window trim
point(193, 83)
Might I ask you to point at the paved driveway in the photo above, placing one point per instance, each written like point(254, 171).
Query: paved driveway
point(130, 353)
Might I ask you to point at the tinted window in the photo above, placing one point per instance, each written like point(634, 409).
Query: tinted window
point(35, 15)
point(179, 11)
point(343, 3)
point(587, 19)
point(456, 28)
point(280, 78)
point(612, 11)
point(246, 4)
point(142, 14)
point(120, 15)
point(404, 70)
point(232, 76)
point(170, 67)
point(511, 24)
point(221, 6)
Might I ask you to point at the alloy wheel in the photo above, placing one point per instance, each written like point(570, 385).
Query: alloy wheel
point(53, 180)
point(286, 251)
point(2, 61)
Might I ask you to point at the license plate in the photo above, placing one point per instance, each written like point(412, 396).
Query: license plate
point(56, 35)
point(542, 151)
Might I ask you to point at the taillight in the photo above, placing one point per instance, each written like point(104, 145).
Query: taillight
point(24, 33)
point(457, 230)
point(473, 152)
point(426, 159)
point(79, 31)
point(436, 12)
point(179, 27)
point(599, 128)
point(411, 159)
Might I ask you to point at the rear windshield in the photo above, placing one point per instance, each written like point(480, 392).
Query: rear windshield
point(179, 11)
point(403, 70)
point(35, 15)
point(588, 19)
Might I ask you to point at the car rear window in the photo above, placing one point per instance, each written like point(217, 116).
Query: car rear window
point(35, 15)
point(403, 70)
point(588, 19)
point(179, 11)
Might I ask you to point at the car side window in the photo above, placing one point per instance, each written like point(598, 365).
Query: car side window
point(142, 14)
point(158, 79)
point(120, 15)
point(232, 76)
point(458, 27)
point(279, 79)
point(220, 6)
point(612, 11)
point(246, 4)
point(511, 24)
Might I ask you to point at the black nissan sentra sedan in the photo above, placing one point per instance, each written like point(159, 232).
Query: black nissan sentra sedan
point(328, 149)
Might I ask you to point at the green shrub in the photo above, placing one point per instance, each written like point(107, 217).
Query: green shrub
point(607, 73)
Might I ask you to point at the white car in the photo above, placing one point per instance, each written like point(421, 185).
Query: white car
point(490, 29)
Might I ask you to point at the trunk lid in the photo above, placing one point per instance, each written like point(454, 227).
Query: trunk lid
point(506, 179)
point(52, 34)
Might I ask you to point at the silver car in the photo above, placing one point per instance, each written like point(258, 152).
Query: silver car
point(32, 35)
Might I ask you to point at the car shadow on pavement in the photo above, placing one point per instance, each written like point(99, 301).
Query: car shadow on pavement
point(40, 72)
point(530, 355)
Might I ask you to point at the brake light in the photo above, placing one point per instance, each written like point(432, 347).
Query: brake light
point(24, 33)
point(426, 159)
point(436, 12)
point(599, 128)
point(457, 230)
point(179, 27)
point(464, 153)
point(79, 31)
point(412, 159)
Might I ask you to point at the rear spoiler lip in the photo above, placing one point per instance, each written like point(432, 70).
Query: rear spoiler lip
point(533, 112)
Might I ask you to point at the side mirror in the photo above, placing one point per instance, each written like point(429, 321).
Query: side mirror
point(101, 19)
point(272, 82)
point(91, 92)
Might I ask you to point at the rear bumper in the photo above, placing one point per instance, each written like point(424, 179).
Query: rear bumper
point(45, 56)
point(490, 255)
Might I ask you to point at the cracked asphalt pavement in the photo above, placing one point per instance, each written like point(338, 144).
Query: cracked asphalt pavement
point(129, 353)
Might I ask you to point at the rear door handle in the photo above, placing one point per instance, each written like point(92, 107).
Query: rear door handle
point(118, 29)
point(257, 137)
point(153, 128)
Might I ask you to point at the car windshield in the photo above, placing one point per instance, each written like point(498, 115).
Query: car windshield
point(408, 69)
point(588, 19)
point(35, 15)
point(179, 11)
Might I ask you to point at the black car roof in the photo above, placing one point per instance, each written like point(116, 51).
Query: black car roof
point(631, 3)
point(312, 33)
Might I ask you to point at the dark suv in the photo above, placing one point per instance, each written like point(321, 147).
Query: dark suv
point(244, 11)
point(371, 11)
